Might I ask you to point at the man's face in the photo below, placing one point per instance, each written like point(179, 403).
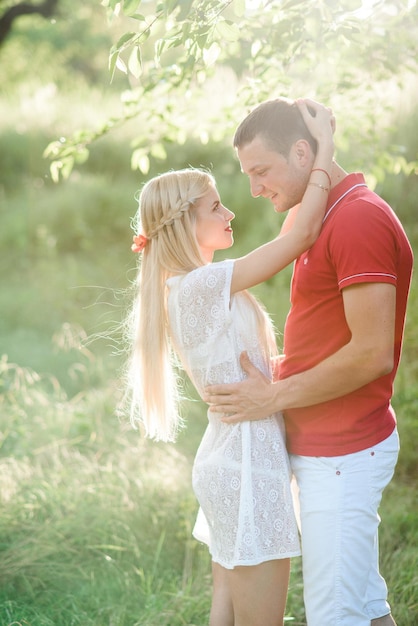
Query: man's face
point(271, 175)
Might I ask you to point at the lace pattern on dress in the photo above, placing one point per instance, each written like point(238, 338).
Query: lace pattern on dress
point(241, 473)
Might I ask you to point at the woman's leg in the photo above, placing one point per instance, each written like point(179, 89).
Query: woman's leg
point(221, 613)
point(259, 593)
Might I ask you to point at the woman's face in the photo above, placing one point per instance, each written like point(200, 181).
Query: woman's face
point(213, 228)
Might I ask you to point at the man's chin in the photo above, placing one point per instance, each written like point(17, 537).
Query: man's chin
point(280, 208)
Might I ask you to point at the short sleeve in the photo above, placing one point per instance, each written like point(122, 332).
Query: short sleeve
point(364, 247)
point(199, 304)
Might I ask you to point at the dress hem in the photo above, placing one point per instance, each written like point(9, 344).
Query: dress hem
point(278, 557)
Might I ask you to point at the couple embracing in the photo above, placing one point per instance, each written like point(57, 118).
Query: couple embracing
point(321, 411)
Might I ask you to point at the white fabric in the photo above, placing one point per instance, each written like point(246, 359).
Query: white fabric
point(241, 473)
point(339, 502)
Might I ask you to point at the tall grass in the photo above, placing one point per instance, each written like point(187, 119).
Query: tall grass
point(96, 522)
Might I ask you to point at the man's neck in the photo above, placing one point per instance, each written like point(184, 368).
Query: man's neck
point(337, 174)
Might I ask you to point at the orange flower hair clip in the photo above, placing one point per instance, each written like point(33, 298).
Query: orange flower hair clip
point(140, 241)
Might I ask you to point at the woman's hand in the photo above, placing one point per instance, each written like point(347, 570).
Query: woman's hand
point(318, 118)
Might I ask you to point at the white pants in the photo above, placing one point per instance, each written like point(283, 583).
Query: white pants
point(339, 501)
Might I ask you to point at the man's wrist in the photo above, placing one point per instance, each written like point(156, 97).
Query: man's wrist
point(280, 394)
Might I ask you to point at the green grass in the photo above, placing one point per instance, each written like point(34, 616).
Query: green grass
point(96, 522)
point(95, 525)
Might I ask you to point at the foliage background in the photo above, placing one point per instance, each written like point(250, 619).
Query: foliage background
point(95, 523)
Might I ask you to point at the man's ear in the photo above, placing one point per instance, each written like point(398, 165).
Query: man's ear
point(302, 152)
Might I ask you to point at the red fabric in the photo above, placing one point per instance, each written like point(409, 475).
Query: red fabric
point(361, 241)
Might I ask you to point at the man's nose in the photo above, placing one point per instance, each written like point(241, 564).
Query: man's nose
point(255, 189)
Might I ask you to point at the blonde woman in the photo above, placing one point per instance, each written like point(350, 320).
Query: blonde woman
point(200, 312)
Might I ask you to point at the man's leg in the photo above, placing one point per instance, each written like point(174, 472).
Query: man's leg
point(339, 498)
point(384, 458)
point(335, 567)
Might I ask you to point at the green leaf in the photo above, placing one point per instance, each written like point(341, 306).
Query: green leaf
point(350, 5)
point(62, 168)
point(127, 37)
point(81, 136)
point(138, 16)
point(110, 3)
point(130, 6)
point(211, 54)
point(185, 5)
point(227, 30)
point(292, 3)
point(113, 57)
point(256, 46)
point(52, 149)
point(55, 169)
point(158, 151)
point(81, 155)
point(140, 161)
point(121, 65)
point(67, 167)
point(144, 35)
point(159, 48)
point(239, 7)
point(135, 62)
point(168, 6)
point(202, 39)
point(313, 25)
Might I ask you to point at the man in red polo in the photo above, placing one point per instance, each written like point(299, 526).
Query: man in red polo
point(342, 345)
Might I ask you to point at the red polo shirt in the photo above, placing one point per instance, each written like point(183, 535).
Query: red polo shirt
point(361, 241)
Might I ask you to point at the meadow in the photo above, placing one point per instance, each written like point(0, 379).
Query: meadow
point(95, 522)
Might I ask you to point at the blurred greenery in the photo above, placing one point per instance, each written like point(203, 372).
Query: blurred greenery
point(95, 524)
point(249, 50)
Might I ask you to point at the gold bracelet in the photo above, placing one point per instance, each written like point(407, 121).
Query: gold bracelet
point(326, 189)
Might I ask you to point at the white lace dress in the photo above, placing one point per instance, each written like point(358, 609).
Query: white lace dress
point(241, 474)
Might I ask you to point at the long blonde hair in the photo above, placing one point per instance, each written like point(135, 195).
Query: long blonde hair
point(166, 217)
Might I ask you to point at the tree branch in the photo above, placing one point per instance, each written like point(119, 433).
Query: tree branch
point(46, 9)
